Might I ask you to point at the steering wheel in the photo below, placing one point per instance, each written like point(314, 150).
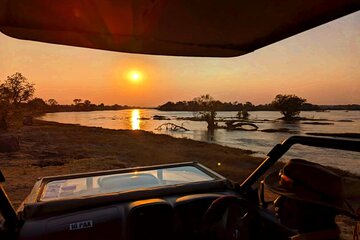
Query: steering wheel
point(229, 218)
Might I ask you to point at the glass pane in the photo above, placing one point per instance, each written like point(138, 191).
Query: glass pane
point(95, 185)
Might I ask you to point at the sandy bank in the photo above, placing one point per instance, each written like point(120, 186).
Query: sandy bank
point(49, 148)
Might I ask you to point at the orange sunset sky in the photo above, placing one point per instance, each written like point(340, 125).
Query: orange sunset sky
point(321, 65)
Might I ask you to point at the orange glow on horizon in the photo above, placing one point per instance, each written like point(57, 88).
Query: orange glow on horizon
point(321, 65)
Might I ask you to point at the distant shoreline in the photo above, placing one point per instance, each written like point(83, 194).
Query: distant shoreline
point(182, 107)
point(96, 110)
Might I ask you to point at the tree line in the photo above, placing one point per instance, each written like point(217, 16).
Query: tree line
point(16, 101)
point(51, 105)
point(205, 107)
point(193, 105)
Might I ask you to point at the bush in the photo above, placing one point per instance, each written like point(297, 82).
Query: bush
point(288, 105)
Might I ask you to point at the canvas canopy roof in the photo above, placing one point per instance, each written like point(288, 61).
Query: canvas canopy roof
point(209, 28)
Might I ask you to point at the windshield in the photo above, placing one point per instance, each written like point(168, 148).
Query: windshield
point(117, 183)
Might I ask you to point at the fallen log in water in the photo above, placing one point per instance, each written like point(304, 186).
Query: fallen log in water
point(171, 127)
point(238, 125)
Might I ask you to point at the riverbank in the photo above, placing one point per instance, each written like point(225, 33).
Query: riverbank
point(270, 131)
point(49, 148)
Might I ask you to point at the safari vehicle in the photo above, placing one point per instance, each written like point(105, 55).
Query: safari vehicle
point(175, 201)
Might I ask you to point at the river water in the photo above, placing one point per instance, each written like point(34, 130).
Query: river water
point(258, 141)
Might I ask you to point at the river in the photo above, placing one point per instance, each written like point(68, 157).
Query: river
point(258, 141)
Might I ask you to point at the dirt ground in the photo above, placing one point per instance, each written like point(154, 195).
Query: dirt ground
point(49, 149)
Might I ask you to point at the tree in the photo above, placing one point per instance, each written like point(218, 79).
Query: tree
point(52, 102)
point(13, 91)
point(243, 114)
point(288, 105)
point(77, 101)
point(207, 112)
point(18, 88)
point(248, 106)
point(37, 104)
point(87, 103)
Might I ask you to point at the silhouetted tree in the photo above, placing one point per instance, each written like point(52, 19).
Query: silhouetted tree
point(243, 114)
point(77, 101)
point(288, 105)
point(208, 110)
point(37, 104)
point(248, 106)
point(18, 88)
point(167, 106)
point(52, 102)
point(13, 91)
point(101, 106)
point(87, 103)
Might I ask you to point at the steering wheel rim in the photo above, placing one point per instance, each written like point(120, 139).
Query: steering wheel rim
point(229, 218)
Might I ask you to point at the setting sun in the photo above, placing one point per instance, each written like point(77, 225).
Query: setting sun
point(135, 76)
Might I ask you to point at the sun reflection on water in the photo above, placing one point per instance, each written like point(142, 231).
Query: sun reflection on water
point(135, 119)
